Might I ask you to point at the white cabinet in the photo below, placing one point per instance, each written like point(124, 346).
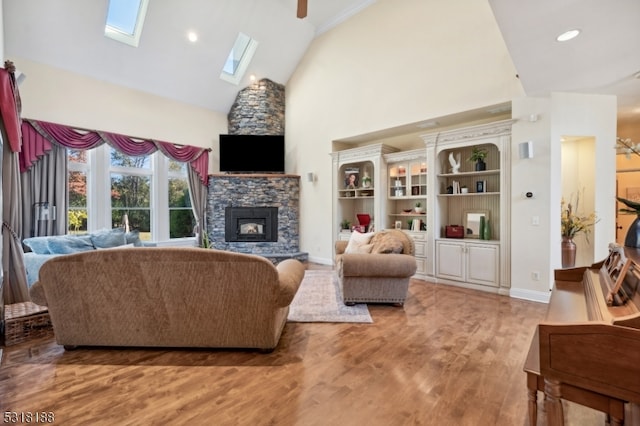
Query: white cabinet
point(469, 262)
point(420, 243)
point(482, 264)
point(450, 260)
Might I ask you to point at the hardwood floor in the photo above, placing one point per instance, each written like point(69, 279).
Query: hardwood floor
point(450, 357)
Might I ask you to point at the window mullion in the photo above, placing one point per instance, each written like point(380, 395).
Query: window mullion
point(160, 197)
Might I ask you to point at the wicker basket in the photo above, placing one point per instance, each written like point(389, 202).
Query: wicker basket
point(24, 321)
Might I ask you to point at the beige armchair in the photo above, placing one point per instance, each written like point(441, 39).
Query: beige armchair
point(377, 270)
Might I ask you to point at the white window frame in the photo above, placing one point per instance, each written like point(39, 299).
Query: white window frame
point(243, 61)
point(98, 170)
point(130, 39)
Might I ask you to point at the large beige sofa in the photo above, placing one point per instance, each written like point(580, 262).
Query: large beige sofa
point(167, 297)
point(377, 269)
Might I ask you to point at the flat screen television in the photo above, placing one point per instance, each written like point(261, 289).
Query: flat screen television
point(252, 153)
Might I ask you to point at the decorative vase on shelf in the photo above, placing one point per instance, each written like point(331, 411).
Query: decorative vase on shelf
point(480, 166)
point(633, 234)
point(366, 180)
point(482, 225)
point(486, 232)
point(568, 252)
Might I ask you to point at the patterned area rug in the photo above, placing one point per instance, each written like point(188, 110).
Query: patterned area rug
point(319, 299)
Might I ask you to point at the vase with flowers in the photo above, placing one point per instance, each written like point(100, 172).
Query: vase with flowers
point(573, 224)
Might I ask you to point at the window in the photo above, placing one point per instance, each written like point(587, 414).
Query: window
point(78, 168)
point(108, 189)
point(238, 60)
point(125, 19)
point(130, 191)
point(181, 219)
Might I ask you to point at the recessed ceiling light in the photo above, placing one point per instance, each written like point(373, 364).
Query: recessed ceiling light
point(192, 36)
point(568, 35)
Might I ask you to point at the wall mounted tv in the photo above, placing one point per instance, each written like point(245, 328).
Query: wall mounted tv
point(252, 153)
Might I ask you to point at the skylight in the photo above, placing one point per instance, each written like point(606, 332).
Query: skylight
point(125, 19)
point(239, 58)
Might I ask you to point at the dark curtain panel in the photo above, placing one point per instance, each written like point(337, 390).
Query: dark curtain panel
point(14, 276)
point(45, 182)
point(198, 194)
point(14, 280)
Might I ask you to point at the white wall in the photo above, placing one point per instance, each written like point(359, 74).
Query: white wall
point(59, 96)
point(394, 63)
point(537, 247)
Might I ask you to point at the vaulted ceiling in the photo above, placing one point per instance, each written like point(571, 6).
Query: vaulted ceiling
point(68, 34)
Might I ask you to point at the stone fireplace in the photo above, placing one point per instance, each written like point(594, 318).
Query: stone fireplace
point(255, 213)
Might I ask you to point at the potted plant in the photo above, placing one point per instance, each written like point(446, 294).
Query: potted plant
point(418, 207)
point(479, 155)
point(464, 189)
point(345, 224)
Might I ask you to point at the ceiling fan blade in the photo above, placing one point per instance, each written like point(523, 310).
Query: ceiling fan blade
point(302, 9)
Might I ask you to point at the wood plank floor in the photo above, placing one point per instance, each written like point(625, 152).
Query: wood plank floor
point(450, 357)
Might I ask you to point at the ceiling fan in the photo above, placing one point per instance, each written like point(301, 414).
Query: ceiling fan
point(302, 9)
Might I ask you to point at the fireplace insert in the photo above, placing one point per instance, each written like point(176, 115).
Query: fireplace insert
point(251, 224)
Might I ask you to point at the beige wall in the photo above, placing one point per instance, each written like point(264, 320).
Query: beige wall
point(60, 96)
point(394, 63)
point(536, 248)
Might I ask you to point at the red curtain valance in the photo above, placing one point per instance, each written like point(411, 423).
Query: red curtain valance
point(37, 137)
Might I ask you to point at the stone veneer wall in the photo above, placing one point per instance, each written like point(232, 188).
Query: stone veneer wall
point(282, 191)
point(258, 110)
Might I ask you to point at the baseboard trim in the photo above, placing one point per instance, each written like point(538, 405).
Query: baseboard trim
point(320, 260)
point(532, 295)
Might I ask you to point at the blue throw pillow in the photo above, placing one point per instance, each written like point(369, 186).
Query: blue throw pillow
point(38, 245)
point(66, 244)
point(133, 237)
point(107, 238)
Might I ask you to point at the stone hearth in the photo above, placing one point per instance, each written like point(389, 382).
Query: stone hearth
point(251, 191)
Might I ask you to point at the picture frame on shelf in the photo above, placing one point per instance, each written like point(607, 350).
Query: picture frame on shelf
point(351, 177)
point(471, 222)
point(398, 224)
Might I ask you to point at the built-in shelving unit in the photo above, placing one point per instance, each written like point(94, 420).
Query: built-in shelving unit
point(400, 179)
point(359, 185)
point(407, 200)
point(407, 189)
point(470, 261)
